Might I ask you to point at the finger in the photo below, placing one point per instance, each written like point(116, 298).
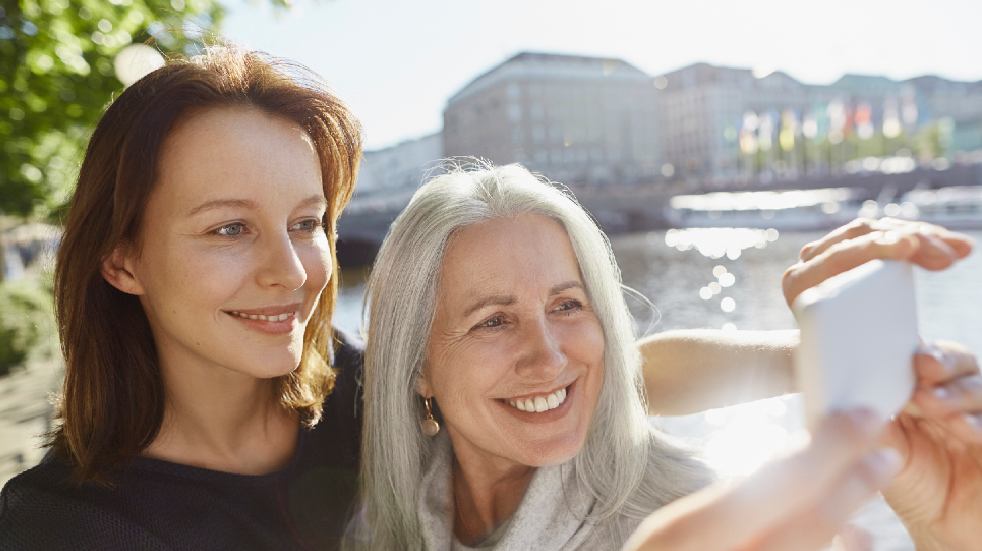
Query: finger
point(923, 227)
point(933, 253)
point(958, 396)
point(796, 482)
point(852, 230)
point(940, 242)
point(960, 243)
point(943, 361)
point(844, 256)
point(853, 538)
point(967, 427)
point(817, 525)
point(935, 239)
point(896, 436)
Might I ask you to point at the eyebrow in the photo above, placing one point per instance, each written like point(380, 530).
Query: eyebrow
point(571, 284)
point(508, 300)
point(492, 300)
point(317, 200)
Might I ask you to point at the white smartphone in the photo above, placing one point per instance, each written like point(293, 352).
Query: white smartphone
point(858, 336)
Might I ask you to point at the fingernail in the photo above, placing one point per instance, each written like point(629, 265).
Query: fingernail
point(941, 393)
point(939, 356)
point(928, 348)
point(886, 461)
point(974, 421)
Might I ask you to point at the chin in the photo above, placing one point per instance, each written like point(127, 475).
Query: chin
point(553, 453)
point(271, 367)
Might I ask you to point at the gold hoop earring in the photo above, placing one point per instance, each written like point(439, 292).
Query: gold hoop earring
point(429, 426)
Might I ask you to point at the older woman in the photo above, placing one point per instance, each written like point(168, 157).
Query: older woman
point(497, 323)
point(521, 347)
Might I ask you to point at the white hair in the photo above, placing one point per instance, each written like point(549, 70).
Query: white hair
point(623, 464)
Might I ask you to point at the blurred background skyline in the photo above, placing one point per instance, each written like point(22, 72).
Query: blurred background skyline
point(397, 63)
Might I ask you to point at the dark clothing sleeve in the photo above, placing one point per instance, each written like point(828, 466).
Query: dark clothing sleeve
point(153, 504)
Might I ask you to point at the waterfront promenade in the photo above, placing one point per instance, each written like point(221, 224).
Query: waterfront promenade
point(25, 410)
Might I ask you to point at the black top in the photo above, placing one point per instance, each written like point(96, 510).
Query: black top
point(159, 505)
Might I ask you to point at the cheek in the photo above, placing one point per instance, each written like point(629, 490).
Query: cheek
point(316, 259)
point(202, 277)
point(463, 377)
point(590, 345)
point(586, 340)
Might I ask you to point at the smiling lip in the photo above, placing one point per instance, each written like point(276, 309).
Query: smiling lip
point(274, 320)
point(547, 416)
point(540, 393)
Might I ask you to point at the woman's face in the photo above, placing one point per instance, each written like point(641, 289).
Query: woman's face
point(233, 253)
point(515, 356)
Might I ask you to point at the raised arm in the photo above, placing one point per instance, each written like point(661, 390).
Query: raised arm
point(687, 371)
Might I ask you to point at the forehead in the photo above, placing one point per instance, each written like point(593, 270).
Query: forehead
point(508, 255)
point(237, 151)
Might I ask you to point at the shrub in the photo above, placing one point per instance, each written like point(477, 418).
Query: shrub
point(26, 322)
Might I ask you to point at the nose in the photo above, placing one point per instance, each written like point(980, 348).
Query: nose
point(542, 357)
point(280, 265)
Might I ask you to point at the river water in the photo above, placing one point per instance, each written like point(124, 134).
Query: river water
point(730, 279)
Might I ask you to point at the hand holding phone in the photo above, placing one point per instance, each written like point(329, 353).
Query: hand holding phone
point(858, 336)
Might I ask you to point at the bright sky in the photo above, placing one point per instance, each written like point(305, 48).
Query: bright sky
point(397, 61)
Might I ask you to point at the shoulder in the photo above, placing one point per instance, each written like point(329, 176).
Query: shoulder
point(42, 483)
point(347, 357)
point(348, 352)
point(342, 405)
point(338, 434)
point(42, 508)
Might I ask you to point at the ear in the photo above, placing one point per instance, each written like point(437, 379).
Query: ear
point(423, 386)
point(118, 270)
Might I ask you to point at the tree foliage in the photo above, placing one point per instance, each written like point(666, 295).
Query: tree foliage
point(57, 77)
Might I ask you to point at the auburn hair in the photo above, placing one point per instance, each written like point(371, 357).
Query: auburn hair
point(112, 401)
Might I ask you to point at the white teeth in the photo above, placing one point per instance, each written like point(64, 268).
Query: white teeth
point(538, 404)
point(553, 401)
point(279, 317)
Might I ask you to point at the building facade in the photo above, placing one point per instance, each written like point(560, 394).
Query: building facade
point(580, 120)
point(724, 124)
point(592, 121)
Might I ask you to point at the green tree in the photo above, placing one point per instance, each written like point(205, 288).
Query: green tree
point(57, 77)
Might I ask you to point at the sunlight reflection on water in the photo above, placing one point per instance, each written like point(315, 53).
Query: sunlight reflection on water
point(734, 441)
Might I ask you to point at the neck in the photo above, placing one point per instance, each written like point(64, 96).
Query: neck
point(223, 420)
point(487, 492)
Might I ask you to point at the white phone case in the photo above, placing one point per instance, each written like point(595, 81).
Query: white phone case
point(858, 336)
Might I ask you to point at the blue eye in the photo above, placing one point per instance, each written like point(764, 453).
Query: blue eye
point(309, 225)
point(230, 230)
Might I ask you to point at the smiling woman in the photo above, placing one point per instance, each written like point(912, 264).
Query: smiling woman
point(496, 298)
point(534, 333)
point(230, 246)
point(194, 290)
